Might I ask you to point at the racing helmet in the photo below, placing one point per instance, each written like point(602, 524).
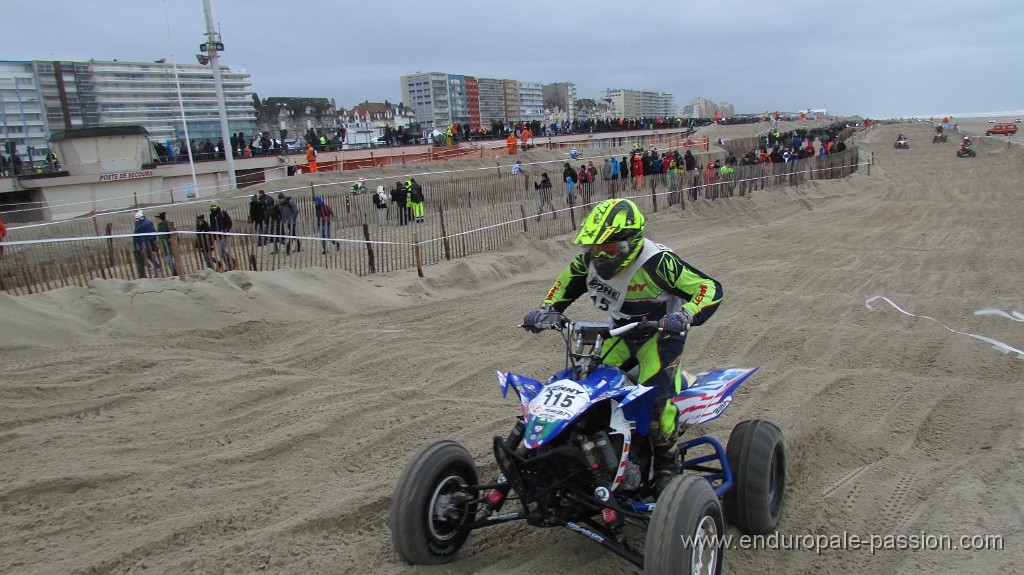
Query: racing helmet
point(614, 231)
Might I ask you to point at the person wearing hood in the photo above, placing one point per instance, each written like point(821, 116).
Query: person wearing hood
point(710, 179)
point(164, 227)
point(380, 201)
point(310, 158)
point(144, 243)
point(637, 171)
point(400, 197)
point(415, 199)
point(220, 221)
point(689, 161)
point(289, 218)
point(203, 243)
point(672, 180)
point(607, 171)
point(544, 191)
point(324, 216)
point(258, 216)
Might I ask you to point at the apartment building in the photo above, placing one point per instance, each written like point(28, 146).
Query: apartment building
point(98, 93)
point(22, 116)
point(492, 101)
point(440, 99)
point(513, 111)
point(531, 101)
point(639, 103)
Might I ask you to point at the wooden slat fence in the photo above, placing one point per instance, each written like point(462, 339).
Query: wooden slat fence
point(464, 215)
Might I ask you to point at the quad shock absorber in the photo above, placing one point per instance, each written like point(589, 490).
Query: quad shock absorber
point(495, 497)
point(602, 486)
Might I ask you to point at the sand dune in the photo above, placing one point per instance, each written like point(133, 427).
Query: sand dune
point(256, 422)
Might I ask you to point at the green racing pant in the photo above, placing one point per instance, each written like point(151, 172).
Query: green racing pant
point(658, 358)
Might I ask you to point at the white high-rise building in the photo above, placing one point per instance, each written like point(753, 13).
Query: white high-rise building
point(97, 93)
point(638, 103)
point(22, 118)
point(531, 101)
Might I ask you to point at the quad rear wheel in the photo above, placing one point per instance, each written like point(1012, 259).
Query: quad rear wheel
point(757, 455)
point(431, 502)
point(686, 529)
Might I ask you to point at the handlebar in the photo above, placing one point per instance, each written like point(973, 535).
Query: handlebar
point(603, 328)
point(633, 325)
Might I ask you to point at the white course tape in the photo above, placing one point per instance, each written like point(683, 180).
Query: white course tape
point(213, 236)
point(1014, 315)
point(996, 344)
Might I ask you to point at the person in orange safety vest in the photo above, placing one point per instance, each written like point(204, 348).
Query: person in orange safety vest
point(311, 157)
point(525, 137)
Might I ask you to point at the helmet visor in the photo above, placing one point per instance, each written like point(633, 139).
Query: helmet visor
point(609, 250)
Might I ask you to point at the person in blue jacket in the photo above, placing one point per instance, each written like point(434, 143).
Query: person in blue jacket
point(146, 244)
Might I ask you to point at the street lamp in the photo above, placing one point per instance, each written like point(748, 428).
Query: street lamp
point(209, 53)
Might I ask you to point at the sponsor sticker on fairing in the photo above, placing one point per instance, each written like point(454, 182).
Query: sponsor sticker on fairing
point(560, 401)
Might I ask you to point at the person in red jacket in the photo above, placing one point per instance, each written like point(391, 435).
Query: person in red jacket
point(637, 172)
point(3, 234)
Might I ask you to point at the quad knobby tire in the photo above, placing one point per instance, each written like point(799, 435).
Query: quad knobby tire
point(757, 456)
point(686, 529)
point(425, 517)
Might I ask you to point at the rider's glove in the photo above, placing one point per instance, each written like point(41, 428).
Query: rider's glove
point(677, 322)
point(540, 319)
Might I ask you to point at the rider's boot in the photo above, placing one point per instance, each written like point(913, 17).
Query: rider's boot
point(664, 435)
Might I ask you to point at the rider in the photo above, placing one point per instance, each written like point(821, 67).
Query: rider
point(901, 138)
point(965, 142)
point(633, 278)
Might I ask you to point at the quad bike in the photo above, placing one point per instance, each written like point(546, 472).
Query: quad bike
point(966, 151)
point(939, 138)
point(579, 457)
point(902, 143)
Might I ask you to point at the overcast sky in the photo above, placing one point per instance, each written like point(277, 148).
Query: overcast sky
point(874, 58)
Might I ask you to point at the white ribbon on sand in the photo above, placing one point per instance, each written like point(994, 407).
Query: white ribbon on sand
point(1015, 316)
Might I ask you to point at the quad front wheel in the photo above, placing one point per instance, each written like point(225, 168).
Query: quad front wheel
point(431, 502)
point(686, 529)
point(757, 456)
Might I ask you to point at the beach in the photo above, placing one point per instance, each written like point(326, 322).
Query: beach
point(256, 422)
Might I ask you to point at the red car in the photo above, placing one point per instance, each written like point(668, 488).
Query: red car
point(1003, 128)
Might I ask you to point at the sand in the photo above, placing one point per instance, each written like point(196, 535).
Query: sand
point(257, 422)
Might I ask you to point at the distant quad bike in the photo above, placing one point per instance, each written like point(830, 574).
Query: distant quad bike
point(939, 138)
point(579, 457)
point(902, 143)
point(966, 152)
